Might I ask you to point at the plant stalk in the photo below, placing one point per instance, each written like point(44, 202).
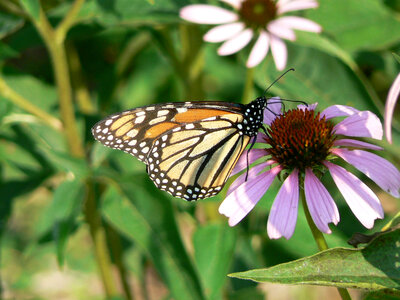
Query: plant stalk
point(7, 92)
point(319, 239)
point(55, 43)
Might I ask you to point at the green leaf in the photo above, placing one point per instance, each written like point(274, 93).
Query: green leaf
point(396, 57)
point(7, 52)
point(60, 216)
point(325, 80)
point(32, 7)
point(113, 12)
point(354, 26)
point(214, 247)
point(65, 162)
point(374, 267)
point(148, 220)
point(9, 23)
point(38, 92)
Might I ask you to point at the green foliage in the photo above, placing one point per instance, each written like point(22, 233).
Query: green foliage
point(373, 267)
point(90, 217)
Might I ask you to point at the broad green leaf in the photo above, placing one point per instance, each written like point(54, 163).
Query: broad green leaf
point(60, 216)
point(9, 23)
point(324, 79)
point(65, 162)
point(112, 12)
point(356, 25)
point(374, 267)
point(148, 220)
point(214, 246)
point(32, 7)
point(382, 294)
point(36, 91)
point(396, 57)
point(7, 52)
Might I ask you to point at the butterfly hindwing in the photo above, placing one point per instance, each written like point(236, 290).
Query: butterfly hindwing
point(194, 161)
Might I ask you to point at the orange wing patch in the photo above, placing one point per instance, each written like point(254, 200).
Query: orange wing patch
point(159, 129)
point(193, 115)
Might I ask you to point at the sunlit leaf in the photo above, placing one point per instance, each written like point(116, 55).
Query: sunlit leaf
point(32, 7)
point(149, 222)
point(373, 267)
point(60, 216)
point(214, 248)
point(356, 27)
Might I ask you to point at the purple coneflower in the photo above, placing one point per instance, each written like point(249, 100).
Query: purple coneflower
point(262, 18)
point(391, 100)
point(302, 145)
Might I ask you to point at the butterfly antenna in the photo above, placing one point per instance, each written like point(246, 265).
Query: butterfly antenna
point(276, 80)
point(247, 157)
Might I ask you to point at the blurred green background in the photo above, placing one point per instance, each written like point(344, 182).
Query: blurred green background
point(81, 221)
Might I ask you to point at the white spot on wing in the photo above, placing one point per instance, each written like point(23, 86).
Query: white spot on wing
point(132, 133)
point(139, 119)
point(181, 109)
point(162, 113)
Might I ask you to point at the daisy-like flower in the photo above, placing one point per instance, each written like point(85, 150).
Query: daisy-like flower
point(391, 100)
point(302, 145)
point(250, 18)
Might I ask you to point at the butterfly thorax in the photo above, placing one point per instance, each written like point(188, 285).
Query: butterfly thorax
point(253, 116)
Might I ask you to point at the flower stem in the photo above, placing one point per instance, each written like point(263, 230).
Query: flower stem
point(248, 86)
point(54, 40)
point(319, 239)
point(23, 103)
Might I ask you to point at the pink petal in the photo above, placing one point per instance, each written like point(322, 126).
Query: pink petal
point(273, 109)
point(253, 172)
point(280, 31)
point(362, 201)
point(335, 111)
point(375, 167)
point(261, 138)
point(298, 23)
point(279, 52)
point(239, 203)
point(322, 208)
point(207, 14)
point(237, 43)
point(259, 51)
point(241, 164)
point(286, 6)
point(391, 100)
point(308, 107)
point(223, 32)
point(234, 3)
point(356, 144)
point(283, 215)
point(361, 124)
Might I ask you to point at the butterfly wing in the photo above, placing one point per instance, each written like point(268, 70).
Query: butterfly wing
point(190, 148)
point(193, 161)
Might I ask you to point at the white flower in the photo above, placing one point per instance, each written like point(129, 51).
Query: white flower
point(251, 18)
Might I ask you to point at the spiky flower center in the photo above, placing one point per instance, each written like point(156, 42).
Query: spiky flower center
point(257, 13)
point(300, 139)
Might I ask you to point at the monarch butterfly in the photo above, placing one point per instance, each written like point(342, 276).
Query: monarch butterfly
point(190, 148)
